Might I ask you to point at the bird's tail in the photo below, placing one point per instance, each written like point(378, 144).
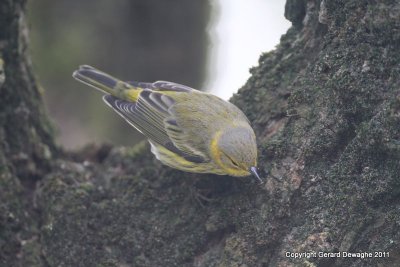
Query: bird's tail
point(100, 80)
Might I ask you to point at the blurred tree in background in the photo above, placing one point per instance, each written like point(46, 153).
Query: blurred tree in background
point(142, 40)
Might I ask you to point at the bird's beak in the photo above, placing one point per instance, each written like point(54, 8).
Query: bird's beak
point(253, 171)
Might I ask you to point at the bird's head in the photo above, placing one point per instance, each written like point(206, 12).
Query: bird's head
point(235, 151)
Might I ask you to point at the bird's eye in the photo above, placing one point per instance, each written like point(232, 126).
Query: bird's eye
point(231, 160)
point(234, 163)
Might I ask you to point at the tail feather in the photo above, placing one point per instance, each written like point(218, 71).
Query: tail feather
point(98, 79)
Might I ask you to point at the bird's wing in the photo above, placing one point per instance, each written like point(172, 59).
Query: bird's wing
point(170, 86)
point(162, 86)
point(151, 115)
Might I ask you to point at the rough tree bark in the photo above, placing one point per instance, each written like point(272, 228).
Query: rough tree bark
point(26, 143)
point(326, 108)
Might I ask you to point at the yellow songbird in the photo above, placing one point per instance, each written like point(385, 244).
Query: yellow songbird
point(187, 129)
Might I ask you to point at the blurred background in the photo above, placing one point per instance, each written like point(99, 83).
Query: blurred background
point(209, 45)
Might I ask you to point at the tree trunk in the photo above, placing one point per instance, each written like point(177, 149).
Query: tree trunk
point(27, 148)
point(326, 109)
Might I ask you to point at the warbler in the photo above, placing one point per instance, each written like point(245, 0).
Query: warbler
point(187, 129)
